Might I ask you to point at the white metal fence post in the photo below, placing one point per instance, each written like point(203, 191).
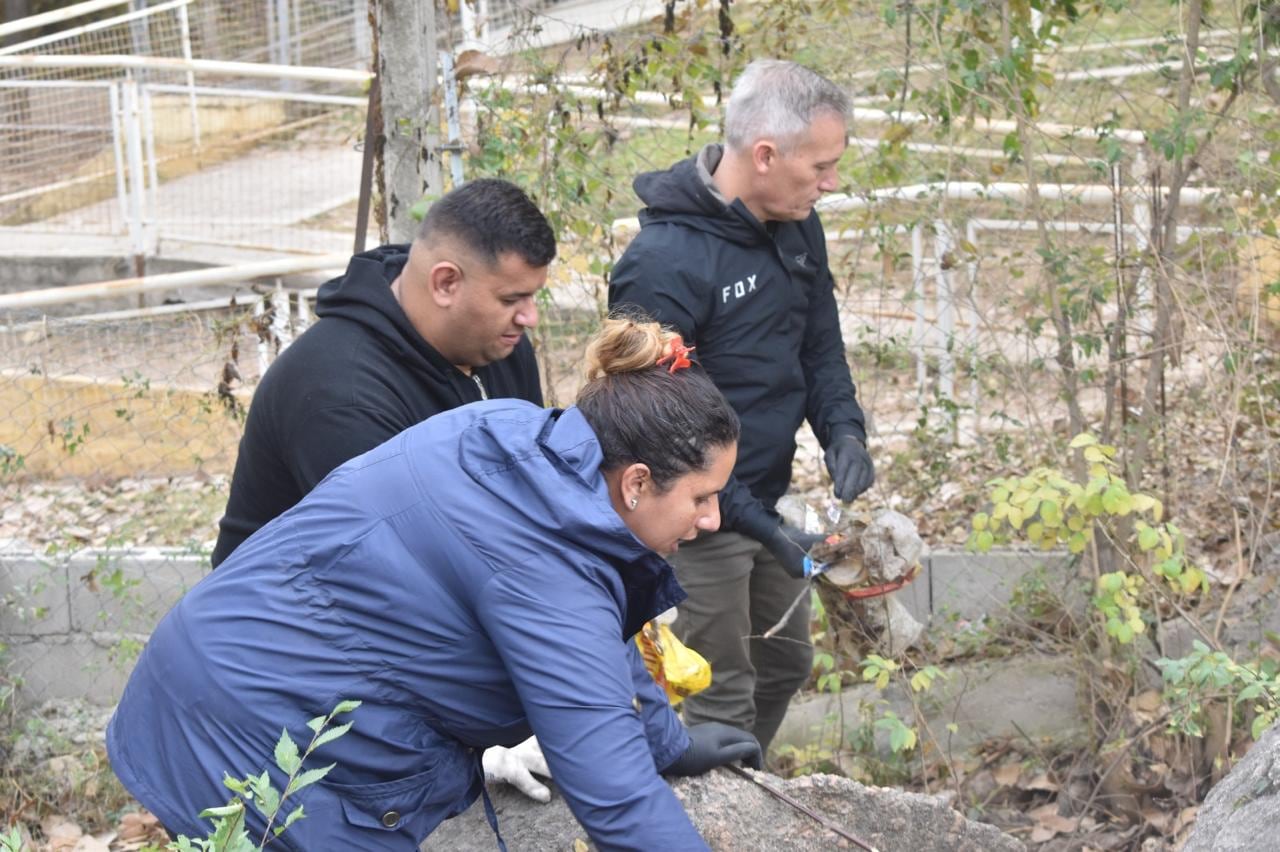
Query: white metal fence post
point(282, 52)
point(184, 27)
point(117, 147)
point(151, 224)
point(942, 246)
point(360, 22)
point(452, 120)
point(918, 303)
point(137, 182)
point(280, 313)
point(971, 313)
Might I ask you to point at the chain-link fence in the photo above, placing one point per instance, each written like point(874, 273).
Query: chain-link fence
point(1006, 276)
point(147, 155)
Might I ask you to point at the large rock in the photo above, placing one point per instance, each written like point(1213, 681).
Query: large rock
point(735, 814)
point(1242, 811)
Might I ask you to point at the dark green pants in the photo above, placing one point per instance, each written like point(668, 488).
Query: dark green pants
point(737, 591)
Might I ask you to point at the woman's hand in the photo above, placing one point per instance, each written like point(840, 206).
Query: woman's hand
point(713, 744)
point(516, 766)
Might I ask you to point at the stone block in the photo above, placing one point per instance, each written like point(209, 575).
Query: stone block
point(129, 591)
point(34, 597)
point(968, 587)
point(78, 666)
point(1031, 694)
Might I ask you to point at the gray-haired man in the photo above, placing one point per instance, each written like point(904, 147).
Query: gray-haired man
point(732, 254)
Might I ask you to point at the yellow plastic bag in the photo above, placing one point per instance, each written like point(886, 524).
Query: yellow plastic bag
point(679, 670)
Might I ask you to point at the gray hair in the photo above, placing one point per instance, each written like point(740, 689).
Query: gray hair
point(778, 100)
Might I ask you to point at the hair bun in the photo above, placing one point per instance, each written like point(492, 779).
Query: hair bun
point(626, 342)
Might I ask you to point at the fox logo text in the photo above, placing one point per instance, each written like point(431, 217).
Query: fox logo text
point(738, 289)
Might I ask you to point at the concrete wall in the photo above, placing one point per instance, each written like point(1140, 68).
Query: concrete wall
point(72, 624)
point(955, 587)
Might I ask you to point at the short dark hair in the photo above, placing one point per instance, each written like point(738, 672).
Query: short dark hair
point(644, 412)
point(492, 217)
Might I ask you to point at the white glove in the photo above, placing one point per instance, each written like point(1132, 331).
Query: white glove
point(515, 766)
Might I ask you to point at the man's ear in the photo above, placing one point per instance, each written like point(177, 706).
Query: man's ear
point(443, 281)
point(764, 155)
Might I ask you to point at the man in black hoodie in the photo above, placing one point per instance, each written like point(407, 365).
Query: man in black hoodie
point(732, 254)
point(407, 332)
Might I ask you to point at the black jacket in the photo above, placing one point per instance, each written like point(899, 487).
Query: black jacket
point(758, 302)
point(357, 377)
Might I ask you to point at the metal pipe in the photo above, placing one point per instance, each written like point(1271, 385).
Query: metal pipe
point(963, 151)
point(200, 66)
point(1092, 46)
point(151, 311)
point(976, 191)
point(33, 22)
point(172, 281)
point(62, 184)
point(260, 94)
point(92, 27)
point(56, 84)
point(882, 116)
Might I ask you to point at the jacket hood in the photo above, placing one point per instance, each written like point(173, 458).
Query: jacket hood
point(684, 195)
point(364, 296)
point(544, 464)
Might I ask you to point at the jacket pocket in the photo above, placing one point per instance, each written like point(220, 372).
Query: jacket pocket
point(405, 806)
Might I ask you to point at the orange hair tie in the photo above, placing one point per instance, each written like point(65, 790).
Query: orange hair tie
point(676, 354)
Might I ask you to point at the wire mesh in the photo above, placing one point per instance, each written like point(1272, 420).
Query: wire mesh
point(150, 156)
point(945, 281)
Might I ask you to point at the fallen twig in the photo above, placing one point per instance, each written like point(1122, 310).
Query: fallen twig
point(786, 616)
point(804, 809)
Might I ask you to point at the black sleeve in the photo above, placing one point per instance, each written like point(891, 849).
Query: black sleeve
point(644, 278)
point(742, 512)
point(831, 399)
point(530, 381)
point(327, 438)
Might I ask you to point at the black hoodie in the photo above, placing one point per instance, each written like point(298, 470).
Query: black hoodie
point(758, 303)
point(359, 376)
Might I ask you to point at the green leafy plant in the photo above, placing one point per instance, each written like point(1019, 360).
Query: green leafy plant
point(1047, 508)
point(11, 840)
point(11, 461)
point(902, 737)
point(1206, 674)
point(229, 833)
point(70, 434)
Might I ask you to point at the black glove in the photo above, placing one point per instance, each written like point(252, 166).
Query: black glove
point(713, 744)
point(790, 546)
point(849, 464)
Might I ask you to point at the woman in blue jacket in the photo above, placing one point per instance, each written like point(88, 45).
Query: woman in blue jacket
point(475, 579)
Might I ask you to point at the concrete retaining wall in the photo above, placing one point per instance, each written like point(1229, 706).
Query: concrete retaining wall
point(73, 623)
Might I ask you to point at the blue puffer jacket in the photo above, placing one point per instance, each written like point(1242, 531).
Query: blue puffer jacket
point(468, 581)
